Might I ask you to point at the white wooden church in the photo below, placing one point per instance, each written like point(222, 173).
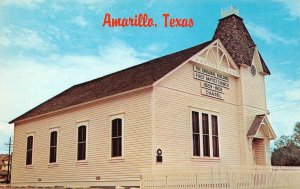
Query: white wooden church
point(205, 105)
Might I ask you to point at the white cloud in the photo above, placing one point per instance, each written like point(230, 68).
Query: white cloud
point(25, 82)
point(32, 4)
point(283, 97)
point(79, 20)
point(266, 35)
point(157, 47)
point(293, 7)
point(23, 38)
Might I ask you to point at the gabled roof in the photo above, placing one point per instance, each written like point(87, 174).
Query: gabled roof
point(138, 76)
point(237, 40)
point(256, 126)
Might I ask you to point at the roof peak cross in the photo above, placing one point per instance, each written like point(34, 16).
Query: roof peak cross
point(229, 11)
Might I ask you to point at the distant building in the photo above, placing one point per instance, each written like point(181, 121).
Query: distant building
point(4, 158)
point(205, 105)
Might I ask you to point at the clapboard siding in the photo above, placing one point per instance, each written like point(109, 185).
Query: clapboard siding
point(174, 97)
point(254, 87)
point(137, 143)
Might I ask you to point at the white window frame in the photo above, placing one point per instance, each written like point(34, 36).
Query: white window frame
point(33, 141)
point(209, 113)
point(112, 117)
point(50, 131)
point(78, 124)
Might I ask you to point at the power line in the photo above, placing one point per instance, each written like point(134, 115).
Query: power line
point(292, 102)
point(286, 108)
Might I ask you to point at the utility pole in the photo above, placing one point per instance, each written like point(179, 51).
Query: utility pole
point(9, 161)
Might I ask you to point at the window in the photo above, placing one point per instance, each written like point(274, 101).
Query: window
point(196, 134)
point(253, 70)
point(81, 146)
point(29, 150)
point(205, 134)
point(215, 135)
point(116, 137)
point(53, 147)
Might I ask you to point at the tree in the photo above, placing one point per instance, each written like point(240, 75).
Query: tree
point(287, 149)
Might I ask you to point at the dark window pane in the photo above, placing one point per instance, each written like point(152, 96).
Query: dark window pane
point(52, 155)
point(205, 124)
point(29, 142)
point(82, 133)
point(119, 147)
point(116, 145)
point(214, 122)
point(205, 133)
point(196, 144)
point(81, 148)
point(53, 147)
point(81, 151)
point(53, 140)
point(195, 122)
point(116, 127)
point(206, 145)
point(29, 150)
point(119, 127)
point(29, 157)
point(80, 139)
point(215, 146)
point(113, 147)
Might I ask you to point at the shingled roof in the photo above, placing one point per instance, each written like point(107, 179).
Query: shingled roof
point(125, 80)
point(236, 39)
point(255, 125)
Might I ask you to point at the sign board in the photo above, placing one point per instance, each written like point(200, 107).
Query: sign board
point(213, 84)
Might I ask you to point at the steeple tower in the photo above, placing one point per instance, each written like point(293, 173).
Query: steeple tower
point(235, 37)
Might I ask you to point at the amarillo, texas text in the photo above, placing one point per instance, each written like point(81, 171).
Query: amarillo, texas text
point(143, 20)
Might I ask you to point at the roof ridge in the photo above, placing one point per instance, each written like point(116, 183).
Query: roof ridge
point(137, 65)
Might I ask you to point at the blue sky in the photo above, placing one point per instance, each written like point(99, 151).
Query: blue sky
point(48, 46)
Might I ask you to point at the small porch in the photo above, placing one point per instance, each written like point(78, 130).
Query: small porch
point(259, 135)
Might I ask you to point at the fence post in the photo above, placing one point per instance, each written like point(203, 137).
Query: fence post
point(141, 182)
point(212, 176)
point(167, 182)
point(197, 181)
